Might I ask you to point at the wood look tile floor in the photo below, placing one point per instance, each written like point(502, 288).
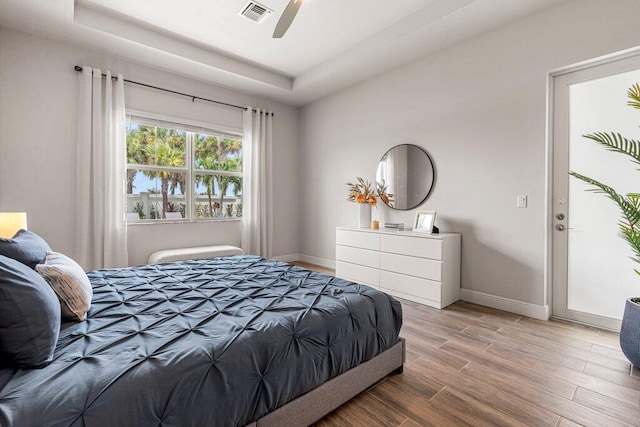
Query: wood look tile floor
point(469, 365)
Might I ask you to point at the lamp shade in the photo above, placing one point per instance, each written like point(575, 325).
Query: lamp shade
point(11, 222)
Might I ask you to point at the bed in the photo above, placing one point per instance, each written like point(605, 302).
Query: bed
point(230, 341)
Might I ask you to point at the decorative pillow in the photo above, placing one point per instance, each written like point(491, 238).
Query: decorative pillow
point(70, 283)
point(26, 247)
point(29, 316)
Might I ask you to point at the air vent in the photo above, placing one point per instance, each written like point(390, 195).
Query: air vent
point(255, 11)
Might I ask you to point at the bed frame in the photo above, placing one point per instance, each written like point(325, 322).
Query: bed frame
point(312, 406)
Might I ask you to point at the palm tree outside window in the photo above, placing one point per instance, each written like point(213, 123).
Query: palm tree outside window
point(181, 172)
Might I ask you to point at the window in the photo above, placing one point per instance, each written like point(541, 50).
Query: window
point(181, 172)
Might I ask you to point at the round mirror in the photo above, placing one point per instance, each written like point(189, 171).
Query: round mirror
point(405, 177)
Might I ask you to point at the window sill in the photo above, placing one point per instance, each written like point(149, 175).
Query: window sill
point(200, 221)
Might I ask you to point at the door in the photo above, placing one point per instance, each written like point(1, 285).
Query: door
point(592, 270)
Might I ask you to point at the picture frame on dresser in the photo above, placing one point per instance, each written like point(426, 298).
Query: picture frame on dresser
point(424, 221)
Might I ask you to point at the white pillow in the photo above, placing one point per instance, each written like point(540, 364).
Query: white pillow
point(69, 282)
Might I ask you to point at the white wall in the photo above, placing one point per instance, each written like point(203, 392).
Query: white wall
point(38, 119)
point(479, 109)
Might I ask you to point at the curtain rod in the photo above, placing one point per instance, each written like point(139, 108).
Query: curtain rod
point(193, 97)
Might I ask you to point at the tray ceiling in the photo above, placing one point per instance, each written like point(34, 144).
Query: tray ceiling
point(330, 45)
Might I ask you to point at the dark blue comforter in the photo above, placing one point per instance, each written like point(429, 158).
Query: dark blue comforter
point(200, 343)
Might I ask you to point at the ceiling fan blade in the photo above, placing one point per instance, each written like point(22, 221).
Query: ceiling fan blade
point(287, 18)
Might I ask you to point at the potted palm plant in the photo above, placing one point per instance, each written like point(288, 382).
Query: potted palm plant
point(629, 205)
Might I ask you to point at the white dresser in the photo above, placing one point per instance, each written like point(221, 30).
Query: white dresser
point(420, 267)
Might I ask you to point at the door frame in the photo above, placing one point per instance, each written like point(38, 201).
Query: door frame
point(549, 171)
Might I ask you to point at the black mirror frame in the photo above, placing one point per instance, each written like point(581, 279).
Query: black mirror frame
point(433, 168)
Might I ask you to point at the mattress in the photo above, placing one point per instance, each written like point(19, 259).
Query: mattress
point(203, 342)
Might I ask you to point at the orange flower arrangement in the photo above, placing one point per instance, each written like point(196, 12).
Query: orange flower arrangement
point(361, 192)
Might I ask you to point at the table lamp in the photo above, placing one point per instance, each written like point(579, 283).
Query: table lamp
point(11, 222)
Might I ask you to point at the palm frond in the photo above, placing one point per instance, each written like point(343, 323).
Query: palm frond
point(629, 207)
point(632, 237)
point(634, 96)
point(618, 143)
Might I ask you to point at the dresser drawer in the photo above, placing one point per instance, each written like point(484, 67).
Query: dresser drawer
point(358, 240)
point(419, 267)
point(358, 256)
point(358, 273)
point(410, 285)
point(414, 246)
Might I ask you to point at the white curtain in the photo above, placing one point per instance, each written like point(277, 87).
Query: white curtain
point(101, 230)
point(256, 145)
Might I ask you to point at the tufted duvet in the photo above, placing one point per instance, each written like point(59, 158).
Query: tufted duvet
point(218, 342)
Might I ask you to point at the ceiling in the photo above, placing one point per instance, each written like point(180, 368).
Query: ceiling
point(331, 44)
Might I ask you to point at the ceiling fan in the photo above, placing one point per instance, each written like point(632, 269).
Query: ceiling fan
point(286, 18)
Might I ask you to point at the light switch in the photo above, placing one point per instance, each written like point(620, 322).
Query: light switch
point(521, 201)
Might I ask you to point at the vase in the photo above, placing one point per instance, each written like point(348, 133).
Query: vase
point(365, 215)
point(630, 331)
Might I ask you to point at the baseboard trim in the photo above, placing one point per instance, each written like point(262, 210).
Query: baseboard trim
point(287, 258)
point(535, 311)
point(323, 262)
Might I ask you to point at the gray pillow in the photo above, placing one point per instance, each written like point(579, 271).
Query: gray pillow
point(26, 247)
point(69, 282)
point(29, 316)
